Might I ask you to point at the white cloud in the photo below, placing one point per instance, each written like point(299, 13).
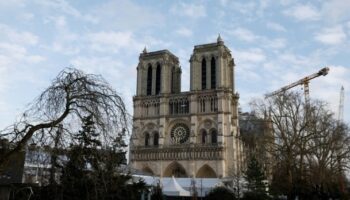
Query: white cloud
point(127, 15)
point(65, 7)
point(249, 56)
point(243, 34)
point(263, 5)
point(189, 10)
point(64, 41)
point(26, 16)
point(106, 41)
point(11, 49)
point(338, 76)
point(244, 8)
point(13, 53)
point(276, 27)
point(60, 22)
point(331, 36)
point(277, 43)
point(60, 47)
point(18, 37)
point(153, 42)
point(12, 3)
point(286, 2)
point(303, 12)
point(336, 10)
point(184, 32)
point(224, 2)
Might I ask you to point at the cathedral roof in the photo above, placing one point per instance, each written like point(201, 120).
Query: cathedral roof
point(211, 46)
point(153, 54)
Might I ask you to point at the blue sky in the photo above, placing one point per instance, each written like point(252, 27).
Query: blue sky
point(273, 42)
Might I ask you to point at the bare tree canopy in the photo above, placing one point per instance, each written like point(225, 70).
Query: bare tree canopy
point(72, 96)
point(310, 148)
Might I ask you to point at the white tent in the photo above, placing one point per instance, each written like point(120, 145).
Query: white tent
point(172, 188)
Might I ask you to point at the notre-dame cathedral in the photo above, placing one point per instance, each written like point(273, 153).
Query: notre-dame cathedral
point(192, 133)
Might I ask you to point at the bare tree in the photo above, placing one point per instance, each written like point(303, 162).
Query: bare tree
point(237, 182)
point(305, 138)
point(329, 149)
point(289, 127)
point(72, 96)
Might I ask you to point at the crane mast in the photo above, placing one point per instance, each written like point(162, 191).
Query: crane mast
point(304, 81)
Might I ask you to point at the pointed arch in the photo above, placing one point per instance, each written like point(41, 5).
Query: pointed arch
point(175, 169)
point(158, 78)
point(206, 172)
point(213, 73)
point(204, 74)
point(214, 136)
point(148, 171)
point(203, 136)
point(149, 79)
point(156, 139)
point(173, 79)
point(147, 139)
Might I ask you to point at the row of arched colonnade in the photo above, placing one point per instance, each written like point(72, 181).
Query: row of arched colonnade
point(206, 137)
point(208, 67)
point(177, 170)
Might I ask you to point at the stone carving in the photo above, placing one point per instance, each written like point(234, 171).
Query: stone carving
point(150, 126)
point(180, 133)
point(207, 124)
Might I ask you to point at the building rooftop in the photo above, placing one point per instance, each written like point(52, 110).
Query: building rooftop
point(146, 54)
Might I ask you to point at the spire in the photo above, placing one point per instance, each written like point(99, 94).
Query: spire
point(144, 50)
point(219, 40)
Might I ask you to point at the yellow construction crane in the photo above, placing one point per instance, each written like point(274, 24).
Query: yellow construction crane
point(304, 81)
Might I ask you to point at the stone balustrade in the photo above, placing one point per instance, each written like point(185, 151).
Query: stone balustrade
point(178, 152)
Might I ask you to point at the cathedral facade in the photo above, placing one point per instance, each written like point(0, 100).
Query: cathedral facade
point(186, 134)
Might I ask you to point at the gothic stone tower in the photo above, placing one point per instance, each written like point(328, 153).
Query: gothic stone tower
point(186, 134)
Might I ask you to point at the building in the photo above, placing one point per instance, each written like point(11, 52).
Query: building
point(257, 138)
point(12, 170)
point(186, 134)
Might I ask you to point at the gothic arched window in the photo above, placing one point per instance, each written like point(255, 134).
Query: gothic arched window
point(147, 139)
point(173, 79)
point(156, 139)
point(149, 80)
point(214, 137)
point(213, 73)
point(158, 79)
point(204, 74)
point(204, 136)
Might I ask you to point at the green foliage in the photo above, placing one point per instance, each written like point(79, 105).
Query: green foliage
point(221, 193)
point(88, 136)
point(255, 178)
point(92, 171)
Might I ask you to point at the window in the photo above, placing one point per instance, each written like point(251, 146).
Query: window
point(158, 78)
point(173, 80)
point(202, 105)
point(156, 139)
point(204, 136)
point(204, 74)
point(179, 106)
point(147, 139)
point(213, 73)
point(213, 104)
point(149, 80)
point(214, 137)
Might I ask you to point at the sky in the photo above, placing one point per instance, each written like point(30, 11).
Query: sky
point(274, 43)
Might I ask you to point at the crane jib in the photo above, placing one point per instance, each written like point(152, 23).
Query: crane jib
point(304, 81)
